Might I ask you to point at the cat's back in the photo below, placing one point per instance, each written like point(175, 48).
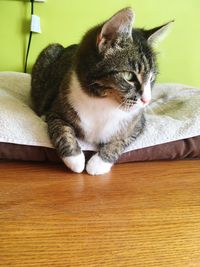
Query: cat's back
point(53, 63)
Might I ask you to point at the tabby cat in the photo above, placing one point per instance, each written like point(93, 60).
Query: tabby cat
point(97, 90)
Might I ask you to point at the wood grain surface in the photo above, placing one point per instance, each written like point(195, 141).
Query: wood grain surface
point(140, 215)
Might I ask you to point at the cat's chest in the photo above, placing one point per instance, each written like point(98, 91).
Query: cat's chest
point(99, 123)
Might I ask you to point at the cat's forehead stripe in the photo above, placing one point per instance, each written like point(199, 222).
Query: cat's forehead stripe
point(137, 67)
point(143, 66)
point(139, 77)
point(143, 78)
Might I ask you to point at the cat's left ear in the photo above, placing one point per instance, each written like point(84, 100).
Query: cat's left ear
point(120, 23)
point(158, 33)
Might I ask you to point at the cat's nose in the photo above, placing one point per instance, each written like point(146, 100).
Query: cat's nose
point(145, 100)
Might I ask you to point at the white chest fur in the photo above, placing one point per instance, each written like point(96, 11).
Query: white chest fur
point(100, 117)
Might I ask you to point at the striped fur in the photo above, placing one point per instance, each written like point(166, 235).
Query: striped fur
point(96, 90)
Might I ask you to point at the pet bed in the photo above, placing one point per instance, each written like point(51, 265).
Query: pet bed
point(172, 130)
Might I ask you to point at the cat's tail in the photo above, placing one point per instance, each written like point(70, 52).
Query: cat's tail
point(41, 73)
point(46, 58)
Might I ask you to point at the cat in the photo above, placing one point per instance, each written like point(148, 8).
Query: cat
point(97, 90)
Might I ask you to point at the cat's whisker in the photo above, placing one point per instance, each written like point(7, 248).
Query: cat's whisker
point(150, 110)
point(153, 99)
point(93, 82)
point(161, 109)
point(122, 105)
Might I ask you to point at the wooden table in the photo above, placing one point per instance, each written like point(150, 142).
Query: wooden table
point(140, 215)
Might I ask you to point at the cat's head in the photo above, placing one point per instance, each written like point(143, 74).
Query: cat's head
point(117, 61)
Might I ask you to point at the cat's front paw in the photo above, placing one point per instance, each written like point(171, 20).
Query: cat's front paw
point(75, 163)
point(97, 166)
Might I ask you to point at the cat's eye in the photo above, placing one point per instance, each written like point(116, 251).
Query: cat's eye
point(128, 76)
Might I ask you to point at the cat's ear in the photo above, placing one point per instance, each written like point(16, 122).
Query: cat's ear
point(120, 23)
point(158, 33)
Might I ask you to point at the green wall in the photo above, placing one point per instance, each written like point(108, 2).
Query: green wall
point(65, 21)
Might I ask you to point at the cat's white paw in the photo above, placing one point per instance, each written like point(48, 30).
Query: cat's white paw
point(97, 166)
point(75, 163)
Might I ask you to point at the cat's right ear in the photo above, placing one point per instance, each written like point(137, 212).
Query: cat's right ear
point(158, 33)
point(120, 23)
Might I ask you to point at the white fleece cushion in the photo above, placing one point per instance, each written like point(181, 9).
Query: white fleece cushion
point(174, 114)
